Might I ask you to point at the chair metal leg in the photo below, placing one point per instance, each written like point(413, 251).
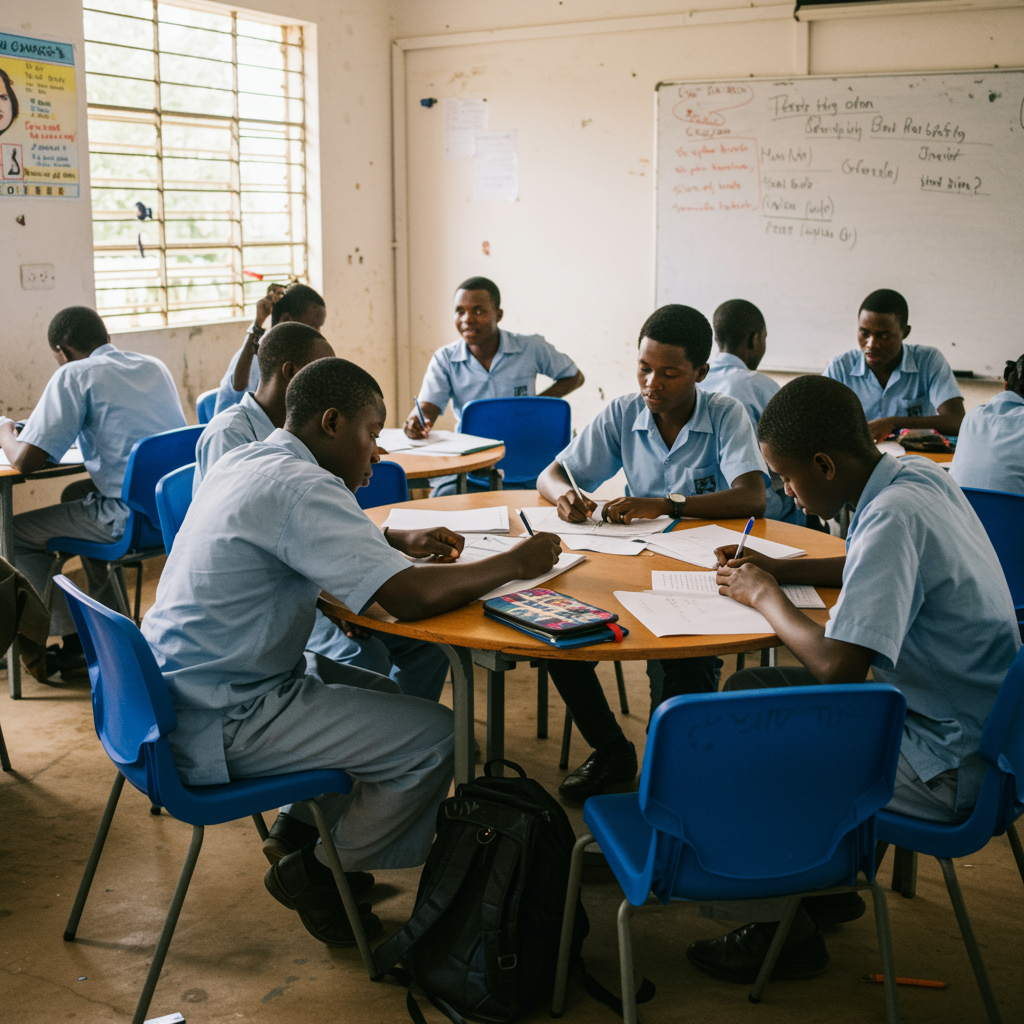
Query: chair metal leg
point(774, 950)
point(626, 962)
point(568, 919)
point(261, 826)
point(563, 760)
point(892, 1010)
point(1011, 834)
point(5, 761)
point(542, 700)
point(768, 657)
point(180, 891)
point(496, 478)
point(137, 566)
point(94, 858)
point(621, 683)
point(904, 872)
point(967, 931)
point(741, 662)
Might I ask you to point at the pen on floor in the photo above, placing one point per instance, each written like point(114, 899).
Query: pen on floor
point(526, 522)
point(743, 539)
point(579, 493)
point(879, 979)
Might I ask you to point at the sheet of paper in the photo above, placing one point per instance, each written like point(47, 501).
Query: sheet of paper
point(705, 583)
point(72, 457)
point(495, 167)
point(473, 520)
point(697, 545)
point(439, 442)
point(546, 518)
point(487, 545)
point(606, 545)
point(463, 118)
point(892, 448)
point(692, 615)
point(802, 596)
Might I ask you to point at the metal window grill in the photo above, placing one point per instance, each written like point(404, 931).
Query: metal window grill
point(199, 117)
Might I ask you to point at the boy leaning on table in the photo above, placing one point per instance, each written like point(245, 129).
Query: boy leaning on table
point(924, 605)
point(685, 452)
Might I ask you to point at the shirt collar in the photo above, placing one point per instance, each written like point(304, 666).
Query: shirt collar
point(103, 349)
point(907, 364)
point(1006, 398)
point(722, 359)
point(285, 439)
point(255, 412)
point(506, 343)
point(699, 421)
point(882, 475)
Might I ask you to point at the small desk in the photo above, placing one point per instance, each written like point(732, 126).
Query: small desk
point(468, 637)
point(942, 458)
point(419, 467)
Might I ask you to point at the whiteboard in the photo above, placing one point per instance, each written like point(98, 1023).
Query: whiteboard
point(804, 195)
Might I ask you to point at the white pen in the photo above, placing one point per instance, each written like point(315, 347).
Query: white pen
point(579, 493)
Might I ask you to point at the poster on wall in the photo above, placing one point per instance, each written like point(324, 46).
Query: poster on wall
point(38, 119)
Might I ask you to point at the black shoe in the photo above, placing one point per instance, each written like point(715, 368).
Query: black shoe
point(70, 665)
point(288, 834)
point(600, 772)
point(738, 956)
point(319, 906)
point(835, 908)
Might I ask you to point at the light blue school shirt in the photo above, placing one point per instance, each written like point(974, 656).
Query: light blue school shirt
point(917, 387)
point(923, 588)
point(715, 447)
point(455, 373)
point(237, 425)
point(108, 401)
point(227, 396)
point(990, 449)
point(268, 530)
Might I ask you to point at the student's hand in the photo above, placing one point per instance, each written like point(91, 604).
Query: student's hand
point(535, 556)
point(414, 429)
point(572, 510)
point(439, 544)
point(265, 306)
point(745, 583)
point(625, 510)
point(882, 428)
point(354, 632)
point(726, 556)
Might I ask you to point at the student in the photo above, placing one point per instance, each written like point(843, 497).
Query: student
point(297, 302)
point(273, 524)
point(990, 449)
point(924, 605)
point(741, 336)
point(900, 386)
point(106, 400)
point(488, 362)
point(685, 452)
point(419, 668)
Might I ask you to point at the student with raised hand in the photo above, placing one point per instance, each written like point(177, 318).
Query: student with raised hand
point(489, 362)
point(742, 339)
point(107, 400)
point(919, 579)
point(273, 524)
point(990, 449)
point(900, 386)
point(685, 452)
point(297, 302)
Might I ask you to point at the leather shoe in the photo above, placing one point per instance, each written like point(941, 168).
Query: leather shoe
point(834, 907)
point(319, 906)
point(288, 834)
point(738, 956)
point(600, 772)
point(70, 666)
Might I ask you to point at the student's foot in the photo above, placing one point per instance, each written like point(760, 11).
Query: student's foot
point(613, 765)
point(70, 665)
point(835, 908)
point(288, 834)
point(738, 956)
point(316, 899)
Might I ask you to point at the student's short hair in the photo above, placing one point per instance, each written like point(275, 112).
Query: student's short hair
point(735, 321)
point(77, 327)
point(329, 383)
point(815, 414)
point(1013, 374)
point(682, 326)
point(289, 342)
point(885, 300)
point(482, 284)
point(296, 302)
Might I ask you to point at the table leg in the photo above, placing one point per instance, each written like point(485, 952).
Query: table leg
point(461, 660)
point(496, 717)
point(461, 486)
point(904, 872)
point(7, 551)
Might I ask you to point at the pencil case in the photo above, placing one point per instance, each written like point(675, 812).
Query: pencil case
point(555, 618)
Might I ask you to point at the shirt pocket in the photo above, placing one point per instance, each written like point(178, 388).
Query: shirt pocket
point(519, 386)
point(699, 480)
point(918, 405)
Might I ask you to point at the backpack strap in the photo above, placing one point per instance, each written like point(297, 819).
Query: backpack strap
point(644, 994)
point(501, 961)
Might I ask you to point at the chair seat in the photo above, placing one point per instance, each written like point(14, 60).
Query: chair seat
point(138, 541)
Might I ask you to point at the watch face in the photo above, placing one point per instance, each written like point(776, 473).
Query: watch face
point(677, 497)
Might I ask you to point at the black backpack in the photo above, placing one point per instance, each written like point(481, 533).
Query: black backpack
point(483, 937)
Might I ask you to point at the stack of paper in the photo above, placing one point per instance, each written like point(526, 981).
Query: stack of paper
point(472, 520)
point(487, 545)
point(696, 615)
point(697, 584)
point(439, 442)
point(546, 519)
point(697, 545)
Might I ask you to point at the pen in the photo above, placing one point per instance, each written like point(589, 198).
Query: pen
point(419, 412)
point(579, 493)
point(526, 522)
point(743, 539)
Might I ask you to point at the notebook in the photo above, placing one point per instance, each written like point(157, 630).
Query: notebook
point(545, 519)
point(704, 584)
point(439, 443)
point(697, 545)
point(485, 545)
point(471, 520)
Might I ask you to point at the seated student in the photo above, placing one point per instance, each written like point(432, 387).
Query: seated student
point(106, 400)
point(900, 386)
point(742, 337)
point(488, 363)
point(297, 302)
point(419, 668)
point(990, 449)
point(685, 452)
point(273, 524)
point(919, 577)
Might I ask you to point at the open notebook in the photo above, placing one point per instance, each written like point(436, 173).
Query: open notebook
point(439, 442)
point(697, 545)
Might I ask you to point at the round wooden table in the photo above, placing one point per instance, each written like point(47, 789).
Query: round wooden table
point(419, 467)
point(469, 637)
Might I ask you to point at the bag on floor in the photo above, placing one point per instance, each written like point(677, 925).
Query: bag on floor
point(483, 937)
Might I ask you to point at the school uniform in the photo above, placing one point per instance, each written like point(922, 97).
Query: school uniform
point(227, 396)
point(917, 387)
point(267, 531)
point(990, 449)
point(715, 447)
point(419, 668)
point(106, 402)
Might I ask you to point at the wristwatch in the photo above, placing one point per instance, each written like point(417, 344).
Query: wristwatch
point(677, 505)
point(255, 332)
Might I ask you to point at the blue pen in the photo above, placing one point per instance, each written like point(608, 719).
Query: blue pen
point(526, 522)
point(419, 412)
point(743, 539)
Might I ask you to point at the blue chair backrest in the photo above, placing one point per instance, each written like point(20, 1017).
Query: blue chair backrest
point(1002, 742)
point(763, 784)
point(533, 429)
point(387, 485)
point(173, 497)
point(1002, 515)
point(205, 405)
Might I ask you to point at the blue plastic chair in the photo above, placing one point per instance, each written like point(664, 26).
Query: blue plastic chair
point(748, 795)
point(152, 458)
point(133, 716)
point(1002, 515)
point(387, 486)
point(1000, 803)
point(173, 497)
point(205, 405)
point(533, 429)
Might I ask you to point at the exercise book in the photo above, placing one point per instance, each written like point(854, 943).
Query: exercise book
point(545, 519)
point(705, 583)
point(692, 614)
point(471, 520)
point(438, 442)
point(486, 545)
point(697, 546)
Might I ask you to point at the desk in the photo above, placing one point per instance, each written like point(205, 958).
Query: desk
point(942, 458)
point(419, 467)
point(8, 478)
point(468, 637)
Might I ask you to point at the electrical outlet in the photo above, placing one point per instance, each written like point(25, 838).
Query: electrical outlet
point(38, 277)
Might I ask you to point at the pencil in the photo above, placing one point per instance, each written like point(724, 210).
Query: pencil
point(878, 979)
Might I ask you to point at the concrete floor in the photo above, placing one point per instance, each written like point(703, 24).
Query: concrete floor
point(238, 955)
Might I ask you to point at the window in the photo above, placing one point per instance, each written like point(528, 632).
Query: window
point(198, 117)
